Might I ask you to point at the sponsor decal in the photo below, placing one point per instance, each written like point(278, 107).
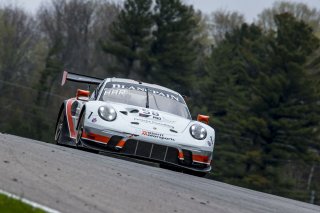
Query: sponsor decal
point(156, 135)
point(153, 122)
point(94, 120)
point(128, 86)
point(158, 118)
point(209, 143)
point(167, 121)
point(146, 113)
point(115, 92)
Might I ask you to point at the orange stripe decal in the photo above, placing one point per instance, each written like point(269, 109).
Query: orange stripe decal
point(69, 119)
point(180, 156)
point(96, 137)
point(121, 144)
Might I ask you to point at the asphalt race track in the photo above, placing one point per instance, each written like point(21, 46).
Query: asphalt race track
point(70, 180)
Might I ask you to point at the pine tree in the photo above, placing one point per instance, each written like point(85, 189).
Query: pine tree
point(264, 105)
point(158, 44)
point(173, 53)
point(232, 67)
point(284, 96)
point(284, 112)
point(131, 37)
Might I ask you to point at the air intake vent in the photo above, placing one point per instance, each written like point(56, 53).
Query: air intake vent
point(187, 157)
point(152, 151)
point(124, 112)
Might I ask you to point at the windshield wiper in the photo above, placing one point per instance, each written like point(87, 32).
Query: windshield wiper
point(147, 104)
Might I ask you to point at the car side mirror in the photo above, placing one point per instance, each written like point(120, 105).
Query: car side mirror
point(203, 119)
point(82, 95)
point(186, 98)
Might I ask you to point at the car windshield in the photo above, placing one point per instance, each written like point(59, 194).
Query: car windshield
point(132, 94)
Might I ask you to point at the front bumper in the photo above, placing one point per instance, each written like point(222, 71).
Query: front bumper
point(128, 144)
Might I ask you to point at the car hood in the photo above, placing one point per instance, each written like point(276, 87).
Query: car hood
point(151, 119)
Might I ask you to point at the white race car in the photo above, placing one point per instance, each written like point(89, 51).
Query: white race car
point(135, 119)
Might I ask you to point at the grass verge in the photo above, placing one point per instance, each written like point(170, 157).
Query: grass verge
point(11, 205)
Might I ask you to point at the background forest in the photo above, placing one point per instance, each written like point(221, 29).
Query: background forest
point(259, 82)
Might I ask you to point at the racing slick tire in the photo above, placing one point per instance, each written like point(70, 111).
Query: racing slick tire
point(80, 130)
point(61, 128)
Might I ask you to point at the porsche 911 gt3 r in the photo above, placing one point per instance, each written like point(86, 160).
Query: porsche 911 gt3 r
point(135, 119)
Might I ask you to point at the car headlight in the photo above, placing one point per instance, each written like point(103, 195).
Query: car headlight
point(198, 132)
point(107, 113)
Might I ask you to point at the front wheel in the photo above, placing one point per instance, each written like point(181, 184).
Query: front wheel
point(80, 130)
point(60, 128)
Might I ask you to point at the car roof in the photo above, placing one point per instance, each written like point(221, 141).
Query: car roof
point(125, 80)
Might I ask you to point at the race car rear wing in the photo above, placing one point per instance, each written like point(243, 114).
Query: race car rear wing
point(69, 76)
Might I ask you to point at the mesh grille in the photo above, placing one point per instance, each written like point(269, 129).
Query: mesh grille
point(149, 150)
point(158, 152)
point(144, 149)
point(172, 154)
point(130, 147)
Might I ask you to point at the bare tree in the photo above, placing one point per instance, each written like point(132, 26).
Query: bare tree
point(72, 29)
point(106, 13)
point(67, 27)
point(300, 11)
point(17, 39)
point(222, 22)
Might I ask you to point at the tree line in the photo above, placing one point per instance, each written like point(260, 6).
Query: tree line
point(259, 81)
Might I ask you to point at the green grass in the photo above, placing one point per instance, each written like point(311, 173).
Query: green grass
point(11, 205)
